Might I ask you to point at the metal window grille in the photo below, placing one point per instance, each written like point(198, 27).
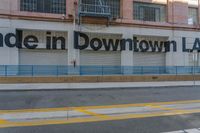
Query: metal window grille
point(28, 5)
point(58, 6)
point(193, 14)
point(113, 4)
point(149, 12)
point(44, 6)
point(115, 8)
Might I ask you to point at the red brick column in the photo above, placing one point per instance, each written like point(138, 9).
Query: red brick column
point(178, 11)
point(127, 9)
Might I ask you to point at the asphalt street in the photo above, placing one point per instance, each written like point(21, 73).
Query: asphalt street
point(63, 98)
point(12, 100)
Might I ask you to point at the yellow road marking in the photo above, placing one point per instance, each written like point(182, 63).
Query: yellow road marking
point(95, 117)
point(3, 121)
point(139, 104)
point(165, 108)
point(92, 119)
point(35, 110)
point(160, 107)
point(92, 113)
point(97, 107)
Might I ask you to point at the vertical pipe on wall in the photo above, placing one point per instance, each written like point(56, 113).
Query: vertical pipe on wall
point(198, 13)
point(66, 9)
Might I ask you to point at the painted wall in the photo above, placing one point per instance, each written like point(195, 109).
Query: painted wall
point(9, 56)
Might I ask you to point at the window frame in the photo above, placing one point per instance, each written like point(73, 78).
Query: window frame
point(197, 15)
point(145, 4)
point(115, 13)
point(43, 6)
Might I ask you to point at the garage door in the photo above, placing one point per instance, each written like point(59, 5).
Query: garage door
point(56, 61)
point(42, 57)
point(100, 62)
point(104, 58)
point(149, 63)
point(194, 59)
point(149, 59)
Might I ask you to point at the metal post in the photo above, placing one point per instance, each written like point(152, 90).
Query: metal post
point(195, 59)
point(57, 70)
point(159, 70)
point(142, 70)
point(102, 71)
point(194, 74)
point(32, 71)
point(123, 68)
point(6, 70)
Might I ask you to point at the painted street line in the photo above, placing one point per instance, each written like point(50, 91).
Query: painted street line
point(186, 131)
point(70, 115)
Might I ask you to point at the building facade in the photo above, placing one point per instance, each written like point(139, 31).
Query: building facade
point(100, 32)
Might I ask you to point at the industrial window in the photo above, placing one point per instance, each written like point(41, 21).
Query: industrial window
point(192, 15)
point(114, 5)
point(193, 0)
point(44, 6)
point(149, 12)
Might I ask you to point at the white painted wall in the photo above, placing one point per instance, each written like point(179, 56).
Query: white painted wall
point(10, 55)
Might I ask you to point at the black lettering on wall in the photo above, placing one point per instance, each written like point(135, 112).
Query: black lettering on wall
point(196, 44)
point(48, 40)
point(168, 44)
point(96, 44)
point(174, 44)
point(184, 49)
point(8, 41)
point(110, 43)
point(30, 39)
point(1, 40)
point(135, 44)
point(55, 42)
point(19, 35)
point(155, 47)
point(77, 36)
point(123, 43)
point(144, 46)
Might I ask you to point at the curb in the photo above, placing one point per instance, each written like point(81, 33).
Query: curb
point(93, 86)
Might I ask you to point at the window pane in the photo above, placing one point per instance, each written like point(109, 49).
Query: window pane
point(193, 15)
point(114, 5)
point(28, 5)
point(58, 6)
point(149, 12)
point(44, 6)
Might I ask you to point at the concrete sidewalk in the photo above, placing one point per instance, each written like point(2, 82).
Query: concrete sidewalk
point(104, 85)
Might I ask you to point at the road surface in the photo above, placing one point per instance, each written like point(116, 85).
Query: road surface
point(132, 110)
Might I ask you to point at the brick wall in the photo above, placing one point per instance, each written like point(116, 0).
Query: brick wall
point(177, 11)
